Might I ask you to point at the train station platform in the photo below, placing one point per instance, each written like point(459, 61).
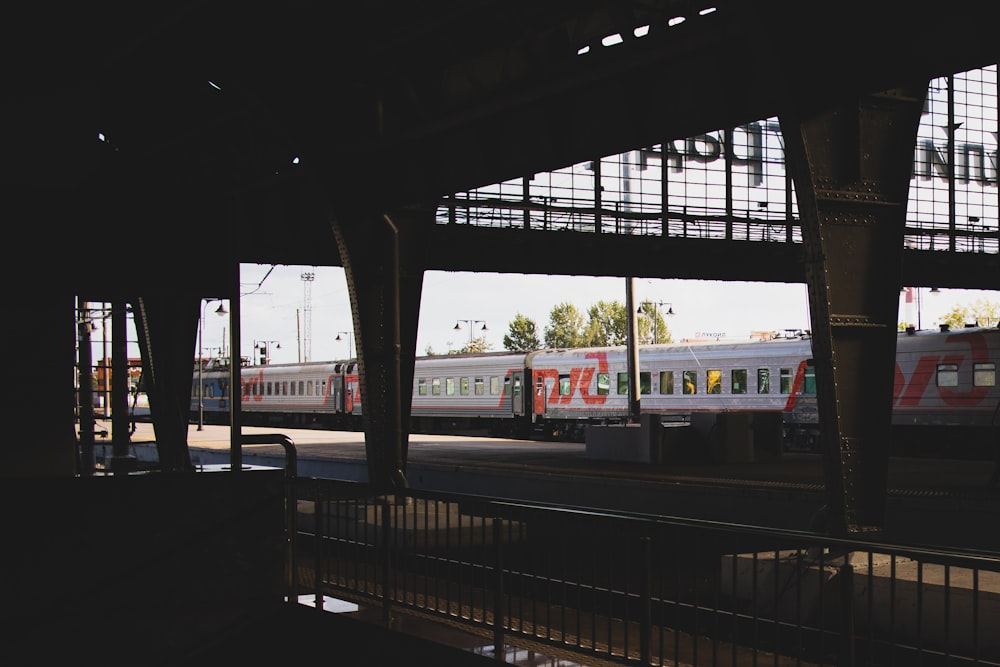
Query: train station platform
point(930, 502)
point(946, 503)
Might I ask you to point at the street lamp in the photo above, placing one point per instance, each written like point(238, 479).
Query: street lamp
point(220, 311)
point(264, 346)
point(655, 317)
point(350, 348)
point(472, 324)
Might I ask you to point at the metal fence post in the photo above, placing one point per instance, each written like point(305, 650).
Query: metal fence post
point(498, 593)
point(847, 613)
point(319, 537)
point(386, 595)
point(646, 622)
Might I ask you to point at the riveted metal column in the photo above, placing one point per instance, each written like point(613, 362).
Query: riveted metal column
point(851, 167)
point(167, 327)
point(383, 259)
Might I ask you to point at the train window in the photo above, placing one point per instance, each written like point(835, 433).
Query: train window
point(763, 380)
point(690, 382)
point(984, 374)
point(785, 380)
point(495, 385)
point(738, 381)
point(301, 392)
point(713, 381)
point(809, 380)
point(564, 385)
point(463, 386)
point(666, 382)
point(309, 387)
point(449, 386)
point(517, 385)
point(623, 384)
point(603, 384)
point(269, 388)
point(947, 375)
point(436, 386)
point(479, 387)
point(323, 388)
point(422, 386)
point(293, 387)
point(284, 387)
point(645, 382)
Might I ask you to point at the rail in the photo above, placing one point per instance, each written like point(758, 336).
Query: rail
point(645, 589)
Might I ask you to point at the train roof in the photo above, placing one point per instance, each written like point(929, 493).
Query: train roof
point(791, 338)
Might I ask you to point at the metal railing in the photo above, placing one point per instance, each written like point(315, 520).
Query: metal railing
point(649, 590)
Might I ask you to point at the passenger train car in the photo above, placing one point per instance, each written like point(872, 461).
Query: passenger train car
point(943, 379)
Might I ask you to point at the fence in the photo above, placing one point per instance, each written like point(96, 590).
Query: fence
point(645, 589)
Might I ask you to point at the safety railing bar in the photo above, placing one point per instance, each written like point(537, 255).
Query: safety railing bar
point(291, 503)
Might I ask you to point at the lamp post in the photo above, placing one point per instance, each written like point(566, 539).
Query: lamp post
point(350, 347)
point(220, 311)
point(264, 347)
point(915, 300)
point(656, 315)
point(472, 324)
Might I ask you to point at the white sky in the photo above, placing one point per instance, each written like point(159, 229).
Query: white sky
point(275, 311)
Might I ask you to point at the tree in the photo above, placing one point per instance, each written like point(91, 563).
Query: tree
point(982, 312)
point(565, 327)
point(607, 324)
point(521, 335)
point(955, 319)
point(652, 328)
point(475, 345)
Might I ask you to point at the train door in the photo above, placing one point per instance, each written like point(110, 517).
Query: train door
point(539, 394)
point(352, 390)
point(517, 393)
point(337, 391)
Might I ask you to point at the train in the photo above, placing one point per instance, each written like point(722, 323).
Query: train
point(944, 380)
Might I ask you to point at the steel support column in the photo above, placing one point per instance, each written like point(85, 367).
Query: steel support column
point(167, 327)
point(383, 256)
point(851, 167)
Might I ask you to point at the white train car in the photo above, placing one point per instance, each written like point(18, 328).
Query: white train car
point(316, 393)
point(946, 400)
point(574, 387)
point(469, 393)
point(943, 380)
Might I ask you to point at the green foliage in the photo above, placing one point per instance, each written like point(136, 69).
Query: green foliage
point(607, 324)
point(956, 317)
point(565, 327)
point(981, 312)
point(652, 327)
point(475, 345)
point(521, 335)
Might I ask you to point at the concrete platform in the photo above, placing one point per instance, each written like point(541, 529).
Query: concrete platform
point(930, 502)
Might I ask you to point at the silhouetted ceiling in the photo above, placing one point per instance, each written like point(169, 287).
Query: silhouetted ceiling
point(204, 108)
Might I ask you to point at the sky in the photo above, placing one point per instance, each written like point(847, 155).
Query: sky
point(274, 306)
